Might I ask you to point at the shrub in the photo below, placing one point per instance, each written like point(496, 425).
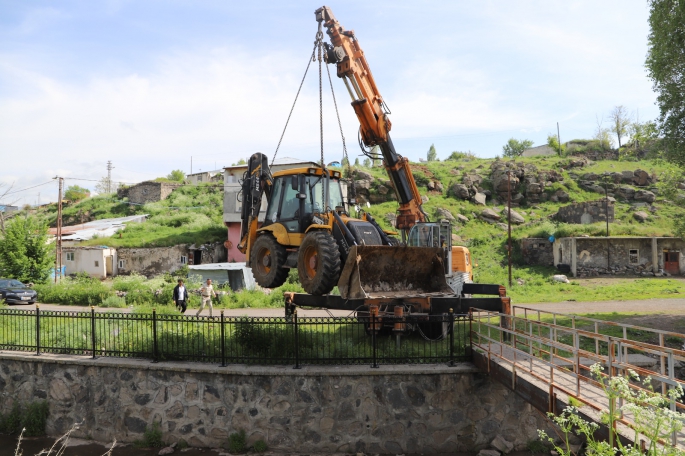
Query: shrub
point(32, 419)
point(152, 437)
point(260, 446)
point(236, 442)
point(80, 291)
point(113, 301)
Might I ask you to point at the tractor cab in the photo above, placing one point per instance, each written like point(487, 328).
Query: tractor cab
point(299, 196)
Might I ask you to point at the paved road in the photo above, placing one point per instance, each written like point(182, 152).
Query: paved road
point(665, 306)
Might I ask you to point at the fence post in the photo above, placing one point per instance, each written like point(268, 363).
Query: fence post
point(154, 336)
point(374, 344)
point(92, 328)
point(223, 341)
point(297, 340)
point(451, 317)
point(37, 330)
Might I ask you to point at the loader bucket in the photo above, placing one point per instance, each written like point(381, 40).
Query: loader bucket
point(376, 271)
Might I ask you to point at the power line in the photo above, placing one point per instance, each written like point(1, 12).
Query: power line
point(29, 188)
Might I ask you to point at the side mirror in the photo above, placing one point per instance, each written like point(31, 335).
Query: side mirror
point(294, 183)
point(301, 196)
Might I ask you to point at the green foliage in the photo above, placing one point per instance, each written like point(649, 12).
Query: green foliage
point(553, 142)
point(666, 67)
point(537, 447)
point(24, 252)
point(32, 418)
point(176, 175)
point(182, 444)
point(152, 437)
point(514, 147)
point(432, 155)
point(239, 162)
point(367, 163)
point(76, 193)
point(74, 291)
point(620, 121)
point(260, 446)
point(113, 301)
point(237, 442)
point(462, 156)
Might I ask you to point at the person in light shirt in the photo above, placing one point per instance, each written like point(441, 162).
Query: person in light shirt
point(207, 292)
point(180, 296)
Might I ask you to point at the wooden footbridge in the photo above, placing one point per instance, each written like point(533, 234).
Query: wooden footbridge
point(546, 357)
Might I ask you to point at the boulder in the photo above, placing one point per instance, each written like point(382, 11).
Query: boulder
point(479, 198)
point(472, 179)
point(627, 177)
point(391, 218)
point(489, 214)
point(424, 199)
point(625, 192)
point(363, 184)
point(460, 191)
point(641, 178)
point(516, 218)
point(562, 196)
point(462, 218)
point(501, 444)
point(502, 226)
point(456, 239)
point(640, 216)
point(362, 175)
point(533, 188)
point(488, 453)
point(560, 278)
point(431, 185)
point(439, 187)
point(167, 450)
point(444, 214)
point(500, 181)
point(645, 195)
point(681, 186)
point(382, 189)
point(516, 198)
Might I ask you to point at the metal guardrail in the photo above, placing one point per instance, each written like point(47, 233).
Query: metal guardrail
point(560, 356)
point(240, 340)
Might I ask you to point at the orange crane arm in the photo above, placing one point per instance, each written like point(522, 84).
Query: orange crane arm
point(372, 113)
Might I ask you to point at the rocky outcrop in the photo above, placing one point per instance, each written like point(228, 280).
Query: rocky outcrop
point(525, 181)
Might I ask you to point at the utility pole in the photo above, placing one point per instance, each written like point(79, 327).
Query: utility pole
point(58, 239)
point(509, 221)
point(109, 176)
point(606, 215)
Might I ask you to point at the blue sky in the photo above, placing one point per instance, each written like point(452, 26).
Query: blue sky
point(148, 84)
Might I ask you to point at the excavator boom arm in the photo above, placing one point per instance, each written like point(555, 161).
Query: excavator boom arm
point(372, 113)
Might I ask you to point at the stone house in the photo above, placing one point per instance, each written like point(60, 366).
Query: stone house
point(205, 176)
point(147, 192)
point(587, 212)
point(634, 255)
point(537, 251)
point(233, 207)
point(151, 261)
point(99, 262)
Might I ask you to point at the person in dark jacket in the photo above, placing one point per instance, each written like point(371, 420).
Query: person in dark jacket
point(181, 296)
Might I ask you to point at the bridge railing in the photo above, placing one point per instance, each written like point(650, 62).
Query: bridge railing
point(557, 350)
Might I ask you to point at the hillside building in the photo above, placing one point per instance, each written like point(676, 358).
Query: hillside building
point(98, 261)
point(147, 192)
point(205, 176)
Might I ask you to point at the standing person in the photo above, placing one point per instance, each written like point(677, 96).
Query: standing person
point(180, 296)
point(207, 291)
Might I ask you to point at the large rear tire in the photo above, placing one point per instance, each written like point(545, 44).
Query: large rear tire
point(267, 258)
point(318, 263)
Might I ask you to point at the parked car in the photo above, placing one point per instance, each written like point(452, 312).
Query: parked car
point(15, 292)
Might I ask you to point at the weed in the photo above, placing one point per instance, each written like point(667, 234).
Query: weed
point(11, 423)
point(182, 445)
point(34, 417)
point(260, 446)
point(537, 446)
point(113, 301)
point(152, 437)
point(236, 442)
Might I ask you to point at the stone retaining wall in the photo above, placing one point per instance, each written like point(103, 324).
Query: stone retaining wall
point(394, 409)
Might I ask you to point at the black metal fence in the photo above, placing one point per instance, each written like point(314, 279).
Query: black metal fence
point(240, 340)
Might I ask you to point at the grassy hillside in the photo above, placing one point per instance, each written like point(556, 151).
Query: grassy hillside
point(191, 214)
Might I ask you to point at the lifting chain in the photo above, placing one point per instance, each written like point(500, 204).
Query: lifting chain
point(351, 190)
point(319, 45)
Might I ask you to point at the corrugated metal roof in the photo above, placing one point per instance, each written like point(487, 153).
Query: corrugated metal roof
point(101, 228)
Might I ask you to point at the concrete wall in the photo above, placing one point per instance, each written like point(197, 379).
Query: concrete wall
point(537, 251)
point(412, 409)
point(152, 261)
point(90, 260)
point(147, 192)
point(233, 254)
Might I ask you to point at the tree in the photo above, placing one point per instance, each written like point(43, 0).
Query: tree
point(668, 186)
point(602, 135)
point(356, 161)
point(367, 163)
point(106, 185)
point(240, 162)
point(553, 142)
point(514, 147)
point(666, 67)
point(176, 175)
point(432, 155)
point(76, 193)
point(620, 121)
point(24, 252)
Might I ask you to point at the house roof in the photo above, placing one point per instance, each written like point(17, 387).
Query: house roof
point(101, 228)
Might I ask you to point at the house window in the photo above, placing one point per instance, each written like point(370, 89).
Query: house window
point(634, 256)
point(121, 264)
point(97, 263)
point(199, 178)
point(70, 256)
point(184, 259)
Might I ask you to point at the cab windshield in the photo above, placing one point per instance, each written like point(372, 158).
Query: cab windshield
point(315, 186)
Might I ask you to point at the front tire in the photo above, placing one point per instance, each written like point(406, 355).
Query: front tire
point(267, 258)
point(318, 263)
